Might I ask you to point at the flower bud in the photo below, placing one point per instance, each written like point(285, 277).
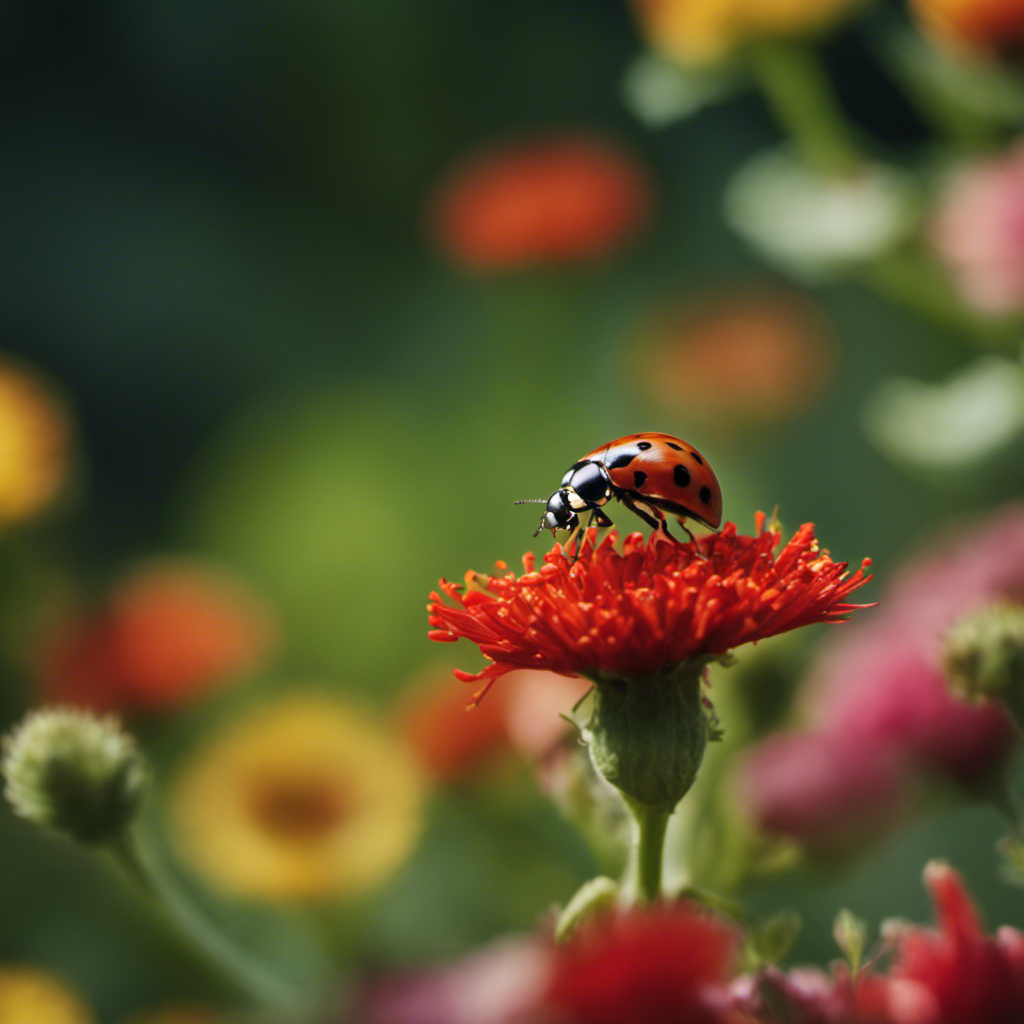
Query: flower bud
point(647, 734)
point(73, 772)
point(984, 655)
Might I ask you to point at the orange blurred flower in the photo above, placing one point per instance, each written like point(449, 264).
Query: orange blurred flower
point(168, 632)
point(303, 798)
point(34, 443)
point(550, 199)
point(758, 354)
point(706, 31)
point(28, 996)
point(454, 741)
point(980, 26)
point(450, 740)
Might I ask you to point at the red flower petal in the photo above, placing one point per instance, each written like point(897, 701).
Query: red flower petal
point(651, 605)
point(956, 971)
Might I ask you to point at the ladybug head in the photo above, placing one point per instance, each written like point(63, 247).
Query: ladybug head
point(560, 514)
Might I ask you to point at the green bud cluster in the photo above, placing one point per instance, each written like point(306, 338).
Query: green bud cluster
point(984, 655)
point(74, 772)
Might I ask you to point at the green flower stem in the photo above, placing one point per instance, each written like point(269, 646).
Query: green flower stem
point(651, 825)
point(800, 95)
point(251, 978)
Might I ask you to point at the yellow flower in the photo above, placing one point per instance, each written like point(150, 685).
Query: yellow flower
point(33, 443)
point(29, 996)
point(706, 31)
point(303, 798)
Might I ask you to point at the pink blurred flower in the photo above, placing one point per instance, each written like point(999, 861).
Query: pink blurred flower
point(821, 790)
point(978, 232)
point(877, 709)
point(494, 985)
point(808, 995)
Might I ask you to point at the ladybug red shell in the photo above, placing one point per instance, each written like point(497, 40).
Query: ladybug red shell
point(649, 473)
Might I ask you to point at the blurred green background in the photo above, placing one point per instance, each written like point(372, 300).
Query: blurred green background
point(215, 249)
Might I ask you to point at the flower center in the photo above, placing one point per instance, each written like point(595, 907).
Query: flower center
point(300, 810)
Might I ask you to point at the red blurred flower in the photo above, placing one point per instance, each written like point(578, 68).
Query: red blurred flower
point(553, 199)
point(653, 604)
point(984, 26)
point(167, 633)
point(669, 965)
point(955, 974)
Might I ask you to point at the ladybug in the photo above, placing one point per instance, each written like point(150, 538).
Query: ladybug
point(649, 473)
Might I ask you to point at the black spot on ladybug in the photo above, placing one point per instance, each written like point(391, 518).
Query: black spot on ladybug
point(696, 458)
point(622, 460)
point(643, 445)
point(639, 479)
point(577, 465)
point(672, 444)
point(681, 475)
point(705, 495)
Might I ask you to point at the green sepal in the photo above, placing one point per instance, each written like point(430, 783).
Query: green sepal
point(647, 734)
point(595, 897)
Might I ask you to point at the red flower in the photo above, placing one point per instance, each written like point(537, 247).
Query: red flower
point(955, 974)
point(985, 26)
point(653, 604)
point(557, 199)
point(669, 965)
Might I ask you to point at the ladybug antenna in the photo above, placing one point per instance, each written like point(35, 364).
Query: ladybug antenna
point(530, 501)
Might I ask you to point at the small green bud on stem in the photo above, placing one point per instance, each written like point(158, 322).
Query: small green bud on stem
point(75, 773)
point(984, 656)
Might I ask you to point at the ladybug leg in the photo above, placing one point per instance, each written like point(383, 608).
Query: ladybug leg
point(656, 518)
point(596, 516)
point(693, 540)
point(647, 516)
